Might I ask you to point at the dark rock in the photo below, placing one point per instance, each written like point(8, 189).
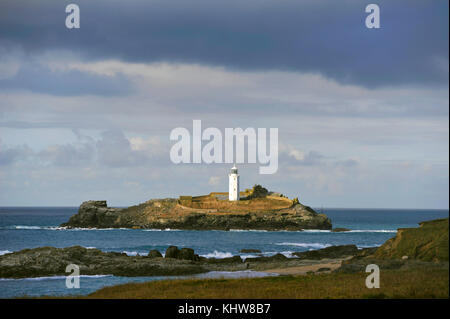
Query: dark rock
point(149, 215)
point(172, 252)
point(94, 213)
point(50, 261)
point(247, 251)
point(323, 269)
point(228, 260)
point(277, 257)
point(187, 254)
point(328, 252)
point(154, 254)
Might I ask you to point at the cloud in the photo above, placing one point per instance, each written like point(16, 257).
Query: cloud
point(14, 154)
point(215, 180)
point(67, 155)
point(40, 79)
point(324, 37)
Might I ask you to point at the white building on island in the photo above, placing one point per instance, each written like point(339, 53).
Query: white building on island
point(233, 189)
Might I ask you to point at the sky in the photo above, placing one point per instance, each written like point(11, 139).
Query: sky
point(362, 114)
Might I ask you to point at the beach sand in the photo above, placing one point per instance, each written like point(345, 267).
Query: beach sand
point(303, 270)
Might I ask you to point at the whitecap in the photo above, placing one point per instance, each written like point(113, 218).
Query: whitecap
point(218, 254)
point(4, 252)
point(305, 245)
point(316, 231)
point(249, 230)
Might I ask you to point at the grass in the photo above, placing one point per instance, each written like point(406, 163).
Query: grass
point(429, 242)
point(393, 284)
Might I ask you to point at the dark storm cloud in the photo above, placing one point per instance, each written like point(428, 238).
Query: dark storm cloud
point(40, 79)
point(327, 37)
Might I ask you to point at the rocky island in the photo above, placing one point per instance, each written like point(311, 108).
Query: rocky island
point(257, 209)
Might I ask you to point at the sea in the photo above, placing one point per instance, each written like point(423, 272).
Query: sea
point(29, 227)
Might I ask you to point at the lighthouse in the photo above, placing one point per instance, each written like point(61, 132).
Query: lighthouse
point(233, 189)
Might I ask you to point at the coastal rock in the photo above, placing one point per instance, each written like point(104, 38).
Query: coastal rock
point(426, 248)
point(428, 242)
point(275, 258)
point(154, 254)
point(50, 261)
point(172, 252)
point(328, 252)
point(168, 213)
point(94, 213)
point(187, 254)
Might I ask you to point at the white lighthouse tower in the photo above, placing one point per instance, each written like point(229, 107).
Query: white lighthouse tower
point(233, 189)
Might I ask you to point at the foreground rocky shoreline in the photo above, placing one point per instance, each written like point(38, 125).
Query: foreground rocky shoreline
point(51, 261)
point(425, 247)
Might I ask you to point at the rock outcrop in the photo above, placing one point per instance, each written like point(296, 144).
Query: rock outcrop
point(50, 261)
point(429, 242)
point(329, 252)
point(168, 213)
point(424, 247)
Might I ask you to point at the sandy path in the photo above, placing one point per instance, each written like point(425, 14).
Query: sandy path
point(302, 270)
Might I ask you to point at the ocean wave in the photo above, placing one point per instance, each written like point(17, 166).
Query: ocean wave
point(316, 231)
point(218, 254)
point(366, 246)
point(305, 245)
point(157, 229)
point(134, 253)
point(25, 227)
point(4, 252)
point(52, 278)
point(249, 230)
point(32, 227)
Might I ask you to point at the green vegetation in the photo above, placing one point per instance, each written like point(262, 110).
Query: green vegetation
point(394, 284)
point(258, 191)
point(429, 242)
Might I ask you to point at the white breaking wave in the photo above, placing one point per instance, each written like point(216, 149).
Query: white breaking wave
point(366, 246)
point(25, 227)
point(249, 230)
point(316, 231)
point(134, 253)
point(157, 229)
point(305, 245)
point(36, 227)
point(4, 252)
point(218, 254)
